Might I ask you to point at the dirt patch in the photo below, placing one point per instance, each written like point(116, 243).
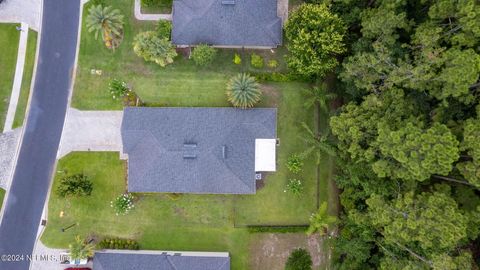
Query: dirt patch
point(271, 95)
point(185, 52)
point(270, 251)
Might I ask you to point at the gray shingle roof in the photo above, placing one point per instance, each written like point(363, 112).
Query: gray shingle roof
point(142, 261)
point(245, 23)
point(194, 150)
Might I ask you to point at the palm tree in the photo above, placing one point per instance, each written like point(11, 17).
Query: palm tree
point(243, 91)
point(107, 21)
point(317, 144)
point(321, 221)
point(318, 96)
point(80, 249)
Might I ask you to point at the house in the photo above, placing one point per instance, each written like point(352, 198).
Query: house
point(198, 150)
point(164, 260)
point(226, 23)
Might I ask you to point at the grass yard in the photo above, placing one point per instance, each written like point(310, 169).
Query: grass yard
point(179, 84)
point(27, 79)
point(193, 222)
point(158, 6)
point(9, 37)
point(2, 196)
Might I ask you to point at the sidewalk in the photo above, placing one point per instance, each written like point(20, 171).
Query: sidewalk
point(17, 81)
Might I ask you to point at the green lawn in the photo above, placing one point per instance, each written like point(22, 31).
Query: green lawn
point(2, 196)
point(181, 83)
point(9, 37)
point(160, 6)
point(193, 222)
point(27, 79)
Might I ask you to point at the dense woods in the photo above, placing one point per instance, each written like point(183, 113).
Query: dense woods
point(408, 134)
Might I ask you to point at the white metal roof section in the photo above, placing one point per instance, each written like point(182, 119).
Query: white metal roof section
point(265, 155)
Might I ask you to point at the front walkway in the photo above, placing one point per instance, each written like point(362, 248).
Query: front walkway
point(15, 11)
point(91, 131)
point(17, 80)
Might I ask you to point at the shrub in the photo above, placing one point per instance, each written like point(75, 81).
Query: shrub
point(81, 249)
point(164, 29)
point(203, 55)
point(153, 48)
point(256, 60)
point(277, 229)
point(272, 63)
point(299, 259)
point(294, 163)
point(237, 60)
point(118, 89)
point(123, 204)
point(75, 185)
point(243, 91)
point(294, 186)
point(118, 243)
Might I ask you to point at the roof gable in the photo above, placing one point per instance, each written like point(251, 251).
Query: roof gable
point(194, 150)
point(213, 22)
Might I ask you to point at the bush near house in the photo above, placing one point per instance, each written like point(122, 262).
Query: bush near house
point(153, 48)
point(75, 185)
point(256, 60)
point(294, 186)
point(294, 163)
point(118, 243)
point(203, 55)
point(237, 60)
point(164, 29)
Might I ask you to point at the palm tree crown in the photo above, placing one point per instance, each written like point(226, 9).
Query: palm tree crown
point(107, 21)
point(243, 91)
point(317, 144)
point(320, 96)
point(80, 249)
point(321, 221)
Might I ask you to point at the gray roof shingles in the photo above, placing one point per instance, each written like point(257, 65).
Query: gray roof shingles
point(156, 141)
point(247, 23)
point(138, 261)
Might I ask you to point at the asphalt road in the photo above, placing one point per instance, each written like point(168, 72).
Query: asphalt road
point(36, 160)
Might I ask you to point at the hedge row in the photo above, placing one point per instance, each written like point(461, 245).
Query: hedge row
point(118, 243)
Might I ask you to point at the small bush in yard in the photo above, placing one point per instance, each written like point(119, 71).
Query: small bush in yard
point(299, 259)
point(164, 29)
point(118, 243)
point(256, 60)
point(118, 89)
point(123, 204)
point(203, 55)
point(294, 186)
point(272, 63)
point(294, 163)
point(237, 60)
point(75, 185)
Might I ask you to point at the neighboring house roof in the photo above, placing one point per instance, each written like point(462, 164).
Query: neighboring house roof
point(145, 260)
point(194, 150)
point(245, 23)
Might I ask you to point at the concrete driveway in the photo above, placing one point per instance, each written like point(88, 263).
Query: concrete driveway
point(91, 131)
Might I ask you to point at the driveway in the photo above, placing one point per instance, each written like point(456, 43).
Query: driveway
point(8, 149)
point(15, 11)
point(42, 131)
point(91, 131)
